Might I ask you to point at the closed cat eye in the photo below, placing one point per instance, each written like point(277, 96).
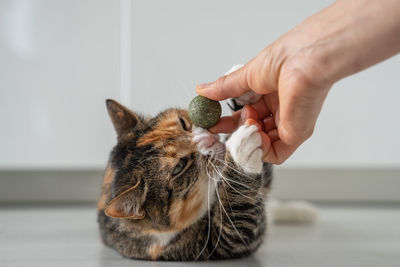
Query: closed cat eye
point(180, 166)
point(183, 124)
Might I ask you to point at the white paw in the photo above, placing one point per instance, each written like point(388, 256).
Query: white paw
point(245, 148)
point(249, 97)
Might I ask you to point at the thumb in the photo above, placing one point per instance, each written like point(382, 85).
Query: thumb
point(230, 85)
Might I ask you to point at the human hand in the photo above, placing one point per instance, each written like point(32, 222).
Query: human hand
point(286, 113)
point(295, 73)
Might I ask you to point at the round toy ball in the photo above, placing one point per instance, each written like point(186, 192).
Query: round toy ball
point(204, 112)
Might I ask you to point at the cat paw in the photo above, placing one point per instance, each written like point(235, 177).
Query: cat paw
point(245, 148)
point(237, 103)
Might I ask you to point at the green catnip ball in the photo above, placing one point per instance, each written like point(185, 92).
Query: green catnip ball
point(204, 112)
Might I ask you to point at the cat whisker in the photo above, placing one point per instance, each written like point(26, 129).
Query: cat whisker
point(226, 181)
point(220, 228)
point(209, 220)
point(220, 233)
point(229, 218)
point(236, 182)
point(226, 193)
point(234, 169)
point(233, 181)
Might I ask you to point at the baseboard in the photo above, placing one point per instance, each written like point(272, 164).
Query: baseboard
point(338, 185)
point(49, 186)
point(326, 185)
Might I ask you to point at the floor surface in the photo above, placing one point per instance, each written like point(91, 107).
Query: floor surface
point(68, 236)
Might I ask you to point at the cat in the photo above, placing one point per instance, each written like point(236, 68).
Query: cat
point(173, 191)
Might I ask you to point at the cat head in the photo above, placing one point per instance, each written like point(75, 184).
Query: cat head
point(159, 175)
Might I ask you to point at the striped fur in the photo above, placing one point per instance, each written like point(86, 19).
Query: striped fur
point(211, 210)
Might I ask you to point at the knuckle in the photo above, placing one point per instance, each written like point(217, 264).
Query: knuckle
point(244, 78)
point(279, 161)
point(308, 133)
point(221, 81)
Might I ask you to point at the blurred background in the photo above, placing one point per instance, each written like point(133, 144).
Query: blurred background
point(60, 60)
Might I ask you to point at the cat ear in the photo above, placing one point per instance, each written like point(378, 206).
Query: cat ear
point(122, 118)
point(126, 205)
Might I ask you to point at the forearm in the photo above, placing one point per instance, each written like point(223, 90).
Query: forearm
point(343, 39)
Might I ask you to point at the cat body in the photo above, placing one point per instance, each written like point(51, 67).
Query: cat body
point(172, 191)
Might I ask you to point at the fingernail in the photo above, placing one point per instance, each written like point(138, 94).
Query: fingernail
point(203, 86)
point(250, 122)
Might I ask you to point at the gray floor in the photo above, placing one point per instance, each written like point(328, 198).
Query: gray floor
point(67, 236)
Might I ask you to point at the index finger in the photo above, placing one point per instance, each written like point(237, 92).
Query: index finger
point(231, 85)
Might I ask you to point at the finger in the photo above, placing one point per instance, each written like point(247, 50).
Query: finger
point(251, 113)
point(226, 124)
point(266, 143)
point(244, 115)
point(269, 123)
point(253, 122)
point(273, 135)
point(248, 112)
point(279, 152)
point(230, 85)
point(261, 108)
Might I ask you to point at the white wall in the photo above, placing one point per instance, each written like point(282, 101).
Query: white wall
point(61, 59)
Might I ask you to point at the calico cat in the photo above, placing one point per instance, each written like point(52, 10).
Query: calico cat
point(172, 191)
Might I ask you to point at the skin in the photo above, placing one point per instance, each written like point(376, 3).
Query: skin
point(295, 73)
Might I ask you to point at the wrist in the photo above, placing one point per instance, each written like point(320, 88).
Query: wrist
point(343, 39)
